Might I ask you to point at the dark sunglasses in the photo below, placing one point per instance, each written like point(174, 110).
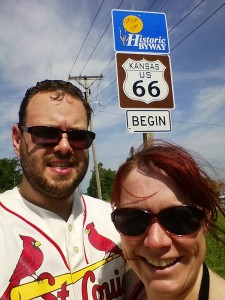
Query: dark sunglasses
point(45, 136)
point(177, 220)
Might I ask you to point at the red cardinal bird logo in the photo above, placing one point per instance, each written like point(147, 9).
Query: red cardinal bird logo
point(30, 260)
point(101, 242)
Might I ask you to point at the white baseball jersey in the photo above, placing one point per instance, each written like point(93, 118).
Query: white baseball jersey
point(44, 257)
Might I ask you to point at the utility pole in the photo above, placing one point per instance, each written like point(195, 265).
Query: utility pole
point(79, 79)
point(148, 136)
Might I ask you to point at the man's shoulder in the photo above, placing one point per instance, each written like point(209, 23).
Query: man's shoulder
point(9, 194)
point(95, 201)
point(99, 212)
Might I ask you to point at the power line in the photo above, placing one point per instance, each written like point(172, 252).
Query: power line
point(152, 5)
point(205, 124)
point(99, 41)
point(109, 103)
point(197, 27)
point(164, 5)
point(114, 55)
point(149, 8)
point(169, 31)
point(86, 36)
point(182, 20)
point(171, 28)
point(95, 48)
point(191, 31)
point(179, 122)
point(186, 15)
point(108, 64)
point(106, 87)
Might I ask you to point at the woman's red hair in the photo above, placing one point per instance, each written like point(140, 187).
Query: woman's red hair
point(179, 164)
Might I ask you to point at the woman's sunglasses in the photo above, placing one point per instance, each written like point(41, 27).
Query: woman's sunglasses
point(177, 220)
point(45, 136)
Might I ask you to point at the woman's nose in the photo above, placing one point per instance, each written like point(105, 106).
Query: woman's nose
point(157, 237)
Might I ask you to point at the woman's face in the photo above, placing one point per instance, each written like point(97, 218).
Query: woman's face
point(168, 265)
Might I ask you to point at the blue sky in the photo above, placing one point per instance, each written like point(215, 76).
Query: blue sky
point(47, 39)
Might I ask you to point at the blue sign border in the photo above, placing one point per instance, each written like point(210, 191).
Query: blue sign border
point(140, 32)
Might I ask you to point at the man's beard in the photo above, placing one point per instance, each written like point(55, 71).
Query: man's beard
point(58, 188)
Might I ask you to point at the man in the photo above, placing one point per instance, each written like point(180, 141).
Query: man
point(56, 243)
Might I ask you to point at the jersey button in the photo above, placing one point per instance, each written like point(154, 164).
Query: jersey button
point(76, 249)
point(70, 228)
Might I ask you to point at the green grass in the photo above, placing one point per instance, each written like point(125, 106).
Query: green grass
point(215, 256)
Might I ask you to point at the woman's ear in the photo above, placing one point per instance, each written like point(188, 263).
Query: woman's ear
point(205, 229)
point(16, 137)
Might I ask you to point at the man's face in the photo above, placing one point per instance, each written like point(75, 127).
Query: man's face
point(56, 171)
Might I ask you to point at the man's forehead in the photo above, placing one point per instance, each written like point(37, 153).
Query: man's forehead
point(61, 95)
point(58, 96)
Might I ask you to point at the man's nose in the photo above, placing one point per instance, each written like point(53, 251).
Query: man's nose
point(63, 145)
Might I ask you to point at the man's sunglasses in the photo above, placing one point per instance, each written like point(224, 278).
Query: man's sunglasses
point(177, 220)
point(45, 136)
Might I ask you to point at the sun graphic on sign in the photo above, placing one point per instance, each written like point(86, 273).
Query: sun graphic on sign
point(132, 24)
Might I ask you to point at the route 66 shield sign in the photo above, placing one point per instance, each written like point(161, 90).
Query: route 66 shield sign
point(145, 80)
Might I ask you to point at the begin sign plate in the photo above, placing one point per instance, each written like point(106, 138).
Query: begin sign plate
point(148, 121)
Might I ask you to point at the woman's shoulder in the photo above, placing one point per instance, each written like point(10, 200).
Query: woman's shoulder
point(217, 286)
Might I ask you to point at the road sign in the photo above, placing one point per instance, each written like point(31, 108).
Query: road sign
point(148, 121)
point(138, 31)
point(144, 81)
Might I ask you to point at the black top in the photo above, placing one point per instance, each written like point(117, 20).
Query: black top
point(204, 288)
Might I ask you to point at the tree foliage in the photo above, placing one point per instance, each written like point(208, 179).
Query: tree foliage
point(10, 173)
point(106, 181)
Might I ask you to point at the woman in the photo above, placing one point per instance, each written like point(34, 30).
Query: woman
point(164, 203)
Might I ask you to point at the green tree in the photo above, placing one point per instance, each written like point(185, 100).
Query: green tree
point(106, 180)
point(10, 173)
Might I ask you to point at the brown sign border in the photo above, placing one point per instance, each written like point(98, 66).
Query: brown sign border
point(126, 102)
